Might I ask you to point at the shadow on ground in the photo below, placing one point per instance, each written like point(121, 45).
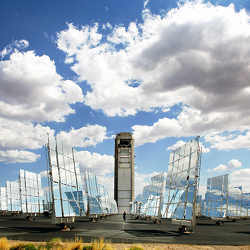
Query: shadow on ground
point(151, 233)
point(33, 229)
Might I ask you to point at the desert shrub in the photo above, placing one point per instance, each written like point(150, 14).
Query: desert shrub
point(87, 248)
point(48, 246)
point(108, 247)
point(30, 247)
point(54, 243)
point(101, 245)
point(76, 244)
point(136, 248)
point(24, 247)
point(41, 247)
point(74, 247)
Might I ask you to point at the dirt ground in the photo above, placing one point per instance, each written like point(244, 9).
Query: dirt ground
point(155, 246)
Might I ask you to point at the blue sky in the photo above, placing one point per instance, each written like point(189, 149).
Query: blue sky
point(165, 70)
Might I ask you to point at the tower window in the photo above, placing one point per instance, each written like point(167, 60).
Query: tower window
point(125, 143)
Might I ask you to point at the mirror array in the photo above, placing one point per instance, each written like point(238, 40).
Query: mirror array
point(31, 193)
point(24, 195)
point(13, 196)
point(179, 200)
point(222, 199)
point(75, 190)
point(66, 186)
point(99, 200)
point(72, 191)
point(174, 195)
point(216, 197)
point(3, 199)
point(152, 207)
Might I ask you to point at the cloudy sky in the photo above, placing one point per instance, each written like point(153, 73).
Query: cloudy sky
point(166, 71)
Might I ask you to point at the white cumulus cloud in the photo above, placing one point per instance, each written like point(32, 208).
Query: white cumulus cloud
point(18, 44)
point(234, 163)
point(190, 122)
point(230, 166)
point(22, 44)
point(31, 89)
point(23, 135)
point(180, 143)
point(220, 167)
point(89, 135)
point(16, 136)
point(229, 142)
point(241, 177)
point(18, 156)
point(210, 61)
point(163, 128)
point(102, 164)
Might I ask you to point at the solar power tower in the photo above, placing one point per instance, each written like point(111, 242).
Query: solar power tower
point(124, 172)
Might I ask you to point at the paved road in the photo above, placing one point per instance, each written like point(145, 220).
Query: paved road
point(132, 231)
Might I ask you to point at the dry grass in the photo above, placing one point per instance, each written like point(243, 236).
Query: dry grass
point(78, 244)
point(75, 245)
point(101, 245)
point(4, 245)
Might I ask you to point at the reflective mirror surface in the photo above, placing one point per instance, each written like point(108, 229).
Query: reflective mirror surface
point(179, 197)
point(3, 199)
point(216, 196)
point(30, 192)
point(13, 196)
point(69, 196)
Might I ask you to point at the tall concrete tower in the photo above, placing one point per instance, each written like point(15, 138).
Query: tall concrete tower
point(124, 171)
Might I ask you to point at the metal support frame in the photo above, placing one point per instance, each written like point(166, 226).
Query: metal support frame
point(60, 183)
point(77, 186)
point(196, 184)
point(50, 177)
point(38, 194)
point(20, 192)
point(26, 196)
